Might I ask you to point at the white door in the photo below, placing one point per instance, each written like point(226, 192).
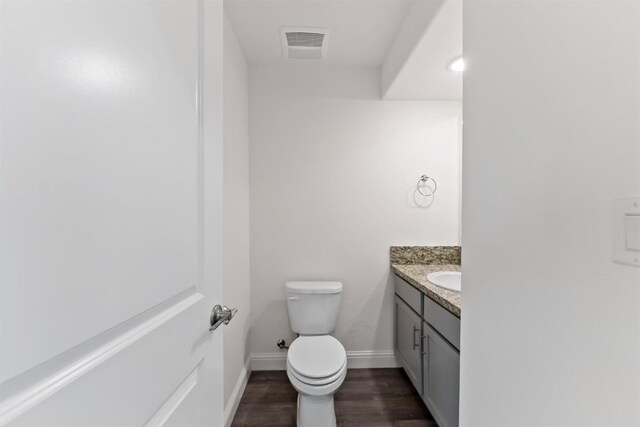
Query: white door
point(110, 212)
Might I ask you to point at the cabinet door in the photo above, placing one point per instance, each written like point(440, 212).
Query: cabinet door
point(441, 378)
point(408, 342)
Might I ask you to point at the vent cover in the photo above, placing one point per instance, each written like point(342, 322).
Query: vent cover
point(304, 43)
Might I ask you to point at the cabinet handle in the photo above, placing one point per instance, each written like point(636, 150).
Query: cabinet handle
point(415, 345)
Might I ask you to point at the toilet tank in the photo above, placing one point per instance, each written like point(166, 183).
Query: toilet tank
point(313, 306)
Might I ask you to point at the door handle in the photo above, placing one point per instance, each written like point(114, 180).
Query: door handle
point(415, 345)
point(221, 314)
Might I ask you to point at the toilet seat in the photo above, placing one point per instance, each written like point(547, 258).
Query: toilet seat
point(316, 381)
point(316, 358)
point(319, 391)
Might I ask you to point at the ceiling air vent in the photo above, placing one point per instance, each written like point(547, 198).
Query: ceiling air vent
point(300, 43)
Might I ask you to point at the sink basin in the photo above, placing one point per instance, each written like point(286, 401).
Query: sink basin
point(446, 279)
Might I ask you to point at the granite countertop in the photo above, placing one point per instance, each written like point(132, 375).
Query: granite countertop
point(416, 275)
point(414, 263)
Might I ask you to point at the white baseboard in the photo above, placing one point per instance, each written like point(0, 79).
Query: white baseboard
point(355, 360)
point(269, 361)
point(236, 396)
point(372, 359)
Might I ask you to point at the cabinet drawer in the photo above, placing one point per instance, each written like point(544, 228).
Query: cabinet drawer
point(409, 294)
point(443, 321)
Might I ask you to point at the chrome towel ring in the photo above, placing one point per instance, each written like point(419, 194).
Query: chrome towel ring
point(422, 183)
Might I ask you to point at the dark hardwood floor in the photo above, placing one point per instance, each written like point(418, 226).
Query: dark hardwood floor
point(368, 397)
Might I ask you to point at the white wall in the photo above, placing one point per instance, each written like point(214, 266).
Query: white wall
point(333, 169)
point(416, 66)
point(236, 281)
point(420, 16)
point(550, 325)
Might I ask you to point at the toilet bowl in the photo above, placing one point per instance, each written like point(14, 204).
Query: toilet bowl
point(316, 367)
point(316, 361)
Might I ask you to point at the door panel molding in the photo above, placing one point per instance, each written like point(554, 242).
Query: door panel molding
point(35, 385)
point(172, 404)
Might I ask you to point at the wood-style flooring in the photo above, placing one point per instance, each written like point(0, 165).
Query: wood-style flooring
point(368, 397)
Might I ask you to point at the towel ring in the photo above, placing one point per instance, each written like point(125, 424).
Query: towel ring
point(422, 181)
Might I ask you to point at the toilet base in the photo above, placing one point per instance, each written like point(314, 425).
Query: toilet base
point(316, 411)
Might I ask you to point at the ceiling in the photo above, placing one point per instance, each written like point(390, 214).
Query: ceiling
point(412, 41)
point(361, 31)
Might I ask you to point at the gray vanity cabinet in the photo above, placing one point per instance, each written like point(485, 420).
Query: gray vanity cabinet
point(408, 345)
point(427, 341)
point(441, 378)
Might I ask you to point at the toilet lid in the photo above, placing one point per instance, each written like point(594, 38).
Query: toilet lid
point(316, 356)
point(316, 381)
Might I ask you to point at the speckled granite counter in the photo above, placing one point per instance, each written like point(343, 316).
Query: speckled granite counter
point(414, 263)
point(441, 255)
point(416, 275)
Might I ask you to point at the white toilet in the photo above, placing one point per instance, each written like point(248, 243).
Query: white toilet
point(316, 361)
